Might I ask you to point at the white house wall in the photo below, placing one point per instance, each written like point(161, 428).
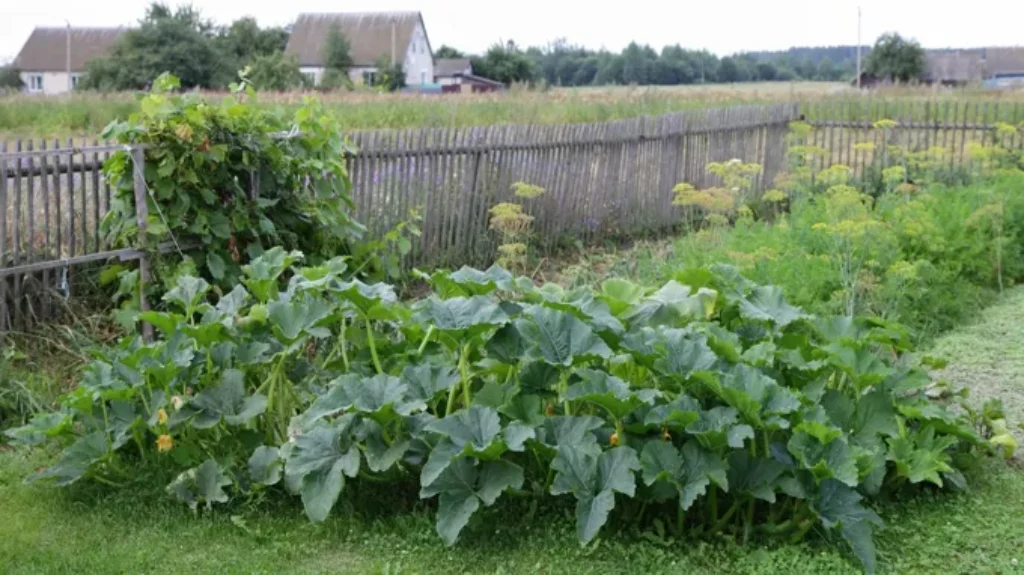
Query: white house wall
point(53, 82)
point(419, 62)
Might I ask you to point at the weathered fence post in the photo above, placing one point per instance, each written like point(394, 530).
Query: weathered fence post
point(141, 215)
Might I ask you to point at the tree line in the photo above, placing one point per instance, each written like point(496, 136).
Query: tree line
point(561, 63)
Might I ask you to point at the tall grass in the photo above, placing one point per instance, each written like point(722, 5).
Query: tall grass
point(23, 116)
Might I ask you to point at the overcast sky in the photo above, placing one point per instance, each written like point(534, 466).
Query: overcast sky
point(722, 26)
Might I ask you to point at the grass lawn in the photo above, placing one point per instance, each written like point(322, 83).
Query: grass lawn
point(92, 530)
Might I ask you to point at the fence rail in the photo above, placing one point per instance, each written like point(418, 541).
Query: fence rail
point(601, 180)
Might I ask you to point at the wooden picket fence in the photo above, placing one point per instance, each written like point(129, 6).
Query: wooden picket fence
point(603, 180)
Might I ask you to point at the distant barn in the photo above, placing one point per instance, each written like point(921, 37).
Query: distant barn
point(456, 75)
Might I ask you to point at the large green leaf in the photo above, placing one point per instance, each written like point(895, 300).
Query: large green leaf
point(689, 472)
point(683, 353)
point(263, 272)
point(609, 392)
point(620, 295)
point(558, 337)
point(676, 414)
point(321, 458)
point(832, 460)
point(476, 282)
point(42, 427)
point(506, 345)
point(717, 428)
point(367, 298)
point(293, 317)
point(203, 484)
point(471, 315)
point(462, 487)
point(593, 479)
point(377, 396)
point(572, 431)
point(922, 456)
point(477, 427)
point(424, 381)
point(839, 506)
point(766, 303)
point(673, 304)
point(226, 401)
point(754, 475)
point(77, 459)
point(188, 294)
point(872, 414)
point(525, 408)
point(265, 465)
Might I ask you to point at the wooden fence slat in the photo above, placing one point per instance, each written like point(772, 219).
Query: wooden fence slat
point(5, 319)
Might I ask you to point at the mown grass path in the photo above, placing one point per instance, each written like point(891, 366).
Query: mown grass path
point(91, 530)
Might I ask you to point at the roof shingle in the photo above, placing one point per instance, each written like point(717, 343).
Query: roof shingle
point(46, 49)
point(368, 35)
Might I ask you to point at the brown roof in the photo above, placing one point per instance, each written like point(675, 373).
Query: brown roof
point(1004, 61)
point(452, 66)
point(46, 49)
point(368, 34)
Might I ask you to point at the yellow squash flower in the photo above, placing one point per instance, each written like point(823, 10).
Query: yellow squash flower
point(161, 416)
point(164, 443)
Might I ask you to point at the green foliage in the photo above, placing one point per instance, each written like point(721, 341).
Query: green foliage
point(203, 163)
point(337, 50)
point(275, 71)
point(446, 51)
point(390, 76)
point(506, 64)
point(896, 58)
point(10, 78)
point(183, 43)
point(179, 42)
point(720, 397)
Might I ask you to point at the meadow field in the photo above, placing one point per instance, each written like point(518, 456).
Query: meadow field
point(815, 375)
point(85, 115)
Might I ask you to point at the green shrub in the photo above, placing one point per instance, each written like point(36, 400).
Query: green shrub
point(717, 405)
point(227, 181)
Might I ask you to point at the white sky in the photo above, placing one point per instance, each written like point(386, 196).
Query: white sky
point(722, 26)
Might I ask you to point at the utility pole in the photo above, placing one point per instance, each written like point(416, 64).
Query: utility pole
point(67, 54)
point(858, 47)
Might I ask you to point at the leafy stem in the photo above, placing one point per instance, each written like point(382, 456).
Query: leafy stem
point(373, 346)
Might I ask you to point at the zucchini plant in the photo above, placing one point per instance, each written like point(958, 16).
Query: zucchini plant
point(711, 402)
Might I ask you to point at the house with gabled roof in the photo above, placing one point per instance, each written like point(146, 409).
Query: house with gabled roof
point(54, 59)
point(399, 37)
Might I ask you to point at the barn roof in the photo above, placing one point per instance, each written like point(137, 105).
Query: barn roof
point(953, 66)
point(368, 35)
point(46, 49)
point(452, 66)
point(1004, 61)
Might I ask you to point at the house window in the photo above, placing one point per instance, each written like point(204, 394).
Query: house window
point(423, 77)
point(310, 78)
point(74, 80)
point(370, 78)
point(35, 83)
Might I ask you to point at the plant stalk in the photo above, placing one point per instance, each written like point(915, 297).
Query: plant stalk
point(373, 347)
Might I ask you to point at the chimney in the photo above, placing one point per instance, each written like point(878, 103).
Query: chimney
point(393, 40)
